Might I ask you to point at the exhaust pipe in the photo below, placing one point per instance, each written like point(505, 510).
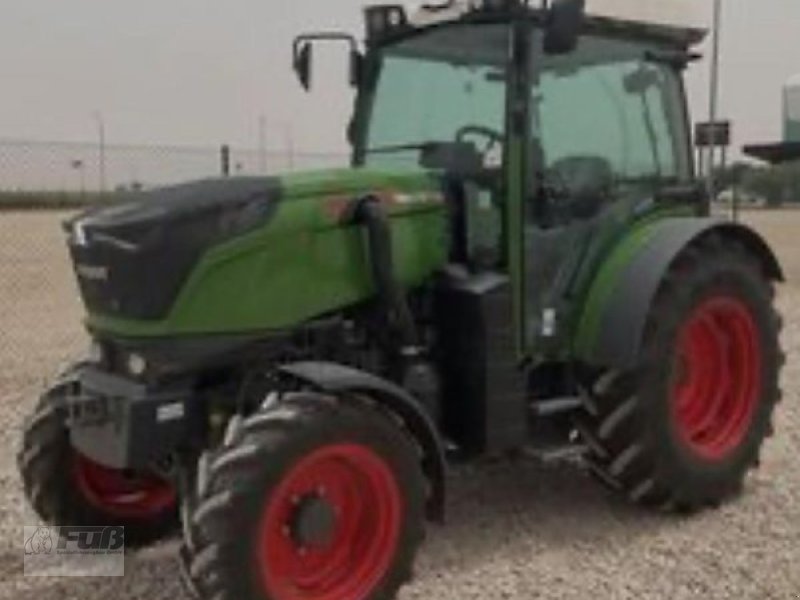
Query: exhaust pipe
point(370, 212)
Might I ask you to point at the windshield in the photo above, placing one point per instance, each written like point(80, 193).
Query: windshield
point(439, 86)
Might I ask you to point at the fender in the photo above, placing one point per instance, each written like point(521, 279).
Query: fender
point(611, 329)
point(338, 379)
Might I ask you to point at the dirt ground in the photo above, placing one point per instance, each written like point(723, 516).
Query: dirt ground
point(514, 531)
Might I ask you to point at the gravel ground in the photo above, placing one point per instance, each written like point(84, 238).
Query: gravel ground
point(514, 530)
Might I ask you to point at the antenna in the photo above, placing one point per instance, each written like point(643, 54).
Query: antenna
point(714, 94)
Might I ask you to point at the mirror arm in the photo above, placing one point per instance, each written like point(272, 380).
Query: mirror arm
point(325, 36)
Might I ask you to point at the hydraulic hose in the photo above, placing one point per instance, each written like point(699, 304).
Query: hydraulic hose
point(370, 212)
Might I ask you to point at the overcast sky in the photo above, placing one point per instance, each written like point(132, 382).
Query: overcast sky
point(202, 71)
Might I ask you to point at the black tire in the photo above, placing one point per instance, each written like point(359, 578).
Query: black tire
point(630, 425)
point(260, 454)
point(46, 462)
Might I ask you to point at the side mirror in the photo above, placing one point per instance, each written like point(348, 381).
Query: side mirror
point(563, 26)
point(303, 60)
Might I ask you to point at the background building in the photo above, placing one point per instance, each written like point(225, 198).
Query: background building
point(792, 110)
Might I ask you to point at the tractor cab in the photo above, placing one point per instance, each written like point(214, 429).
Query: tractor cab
point(549, 128)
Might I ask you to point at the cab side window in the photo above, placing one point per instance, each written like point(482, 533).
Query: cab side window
point(606, 122)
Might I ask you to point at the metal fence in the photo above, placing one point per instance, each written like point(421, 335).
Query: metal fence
point(40, 309)
point(32, 166)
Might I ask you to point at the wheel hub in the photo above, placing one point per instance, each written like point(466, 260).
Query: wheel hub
point(314, 522)
point(717, 377)
point(330, 529)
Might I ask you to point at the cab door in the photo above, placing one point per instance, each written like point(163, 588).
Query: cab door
point(608, 128)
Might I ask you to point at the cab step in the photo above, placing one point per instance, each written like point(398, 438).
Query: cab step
point(556, 406)
point(572, 453)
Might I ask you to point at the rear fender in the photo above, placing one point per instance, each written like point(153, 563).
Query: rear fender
point(337, 379)
point(610, 332)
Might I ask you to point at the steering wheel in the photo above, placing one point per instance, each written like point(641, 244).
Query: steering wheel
point(494, 138)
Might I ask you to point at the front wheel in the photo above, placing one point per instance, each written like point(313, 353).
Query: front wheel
point(319, 499)
point(66, 488)
point(681, 429)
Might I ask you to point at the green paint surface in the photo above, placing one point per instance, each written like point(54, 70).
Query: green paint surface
point(306, 261)
point(606, 276)
point(604, 285)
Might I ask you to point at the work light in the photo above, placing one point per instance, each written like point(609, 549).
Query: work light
point(384, 19)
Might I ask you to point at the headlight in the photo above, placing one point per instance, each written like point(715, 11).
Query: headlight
point(96, 353)
point(136, 365)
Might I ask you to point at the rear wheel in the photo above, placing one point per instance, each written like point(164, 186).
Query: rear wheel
point(681, 430)
point(66, 488)
point(320, 499)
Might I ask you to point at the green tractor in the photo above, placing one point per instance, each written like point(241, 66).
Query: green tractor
point(520, 261)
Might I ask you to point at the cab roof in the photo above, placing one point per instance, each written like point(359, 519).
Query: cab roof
point(677, 21)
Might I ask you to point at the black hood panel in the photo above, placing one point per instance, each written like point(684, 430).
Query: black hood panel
point(133, 257)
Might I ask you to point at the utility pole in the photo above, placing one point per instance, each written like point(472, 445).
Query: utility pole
point(80, 167)
point(714, 95)
point(262, 144)
point(290, 149)
point(101, 133)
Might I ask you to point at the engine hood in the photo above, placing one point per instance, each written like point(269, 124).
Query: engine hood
point(132, 257)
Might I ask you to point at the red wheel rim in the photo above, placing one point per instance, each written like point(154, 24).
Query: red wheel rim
point(718, 377)
point(121, 494)
point(366, 505)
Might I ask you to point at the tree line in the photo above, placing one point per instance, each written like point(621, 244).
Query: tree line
point(774, 185)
